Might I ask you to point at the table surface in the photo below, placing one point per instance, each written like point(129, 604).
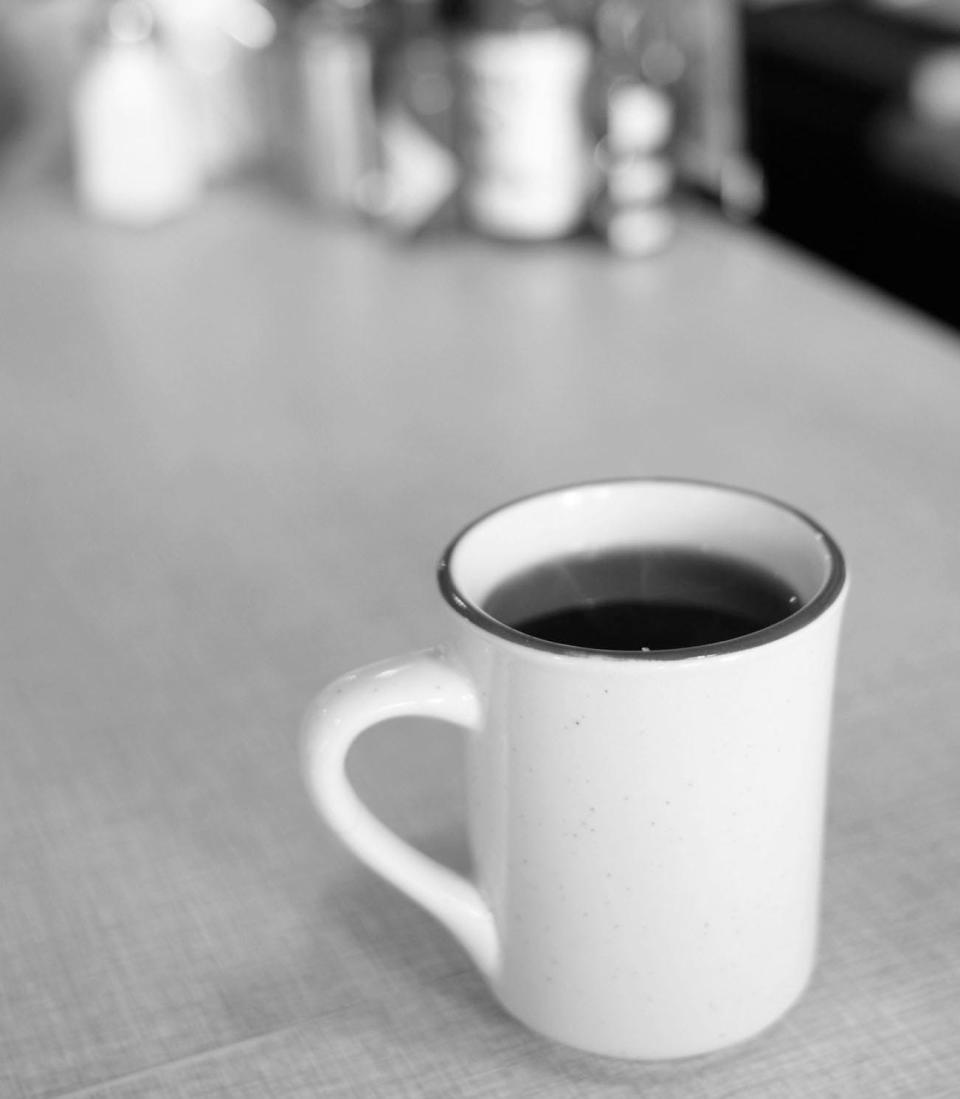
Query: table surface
point(231, 451)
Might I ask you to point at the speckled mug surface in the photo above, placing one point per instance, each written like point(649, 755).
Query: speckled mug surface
point(646, 827)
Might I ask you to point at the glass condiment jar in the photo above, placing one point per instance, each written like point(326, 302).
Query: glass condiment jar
point(523, 74)
point(336, 49)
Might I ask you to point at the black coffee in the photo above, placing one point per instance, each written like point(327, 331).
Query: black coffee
point(646, 599)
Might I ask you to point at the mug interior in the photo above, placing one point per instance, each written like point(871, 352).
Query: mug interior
point(615, 516)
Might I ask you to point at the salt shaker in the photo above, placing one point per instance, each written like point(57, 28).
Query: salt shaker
point(639, 66)
point(136, 148)
point(638, 212)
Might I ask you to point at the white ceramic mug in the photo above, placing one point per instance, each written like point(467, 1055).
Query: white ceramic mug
point(646, 827)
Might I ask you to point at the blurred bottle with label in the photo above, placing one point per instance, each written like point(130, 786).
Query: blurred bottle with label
point(136, 147)
point(523, 73)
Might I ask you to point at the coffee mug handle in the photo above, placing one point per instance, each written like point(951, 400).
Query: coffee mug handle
point(424, 683)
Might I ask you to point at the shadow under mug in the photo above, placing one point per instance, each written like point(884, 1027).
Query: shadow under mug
point(646, 827)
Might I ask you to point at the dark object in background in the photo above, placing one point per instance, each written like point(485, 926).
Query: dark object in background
point(854, 171)
point(11, 105)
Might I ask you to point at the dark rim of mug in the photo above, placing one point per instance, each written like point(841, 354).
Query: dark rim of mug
point(814, 608)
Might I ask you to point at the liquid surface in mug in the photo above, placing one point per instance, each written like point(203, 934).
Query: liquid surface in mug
point(643, 599)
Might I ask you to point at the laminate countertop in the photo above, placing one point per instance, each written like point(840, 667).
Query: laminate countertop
point(232, 450)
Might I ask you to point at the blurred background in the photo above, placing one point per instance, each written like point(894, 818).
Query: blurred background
point(834, 123)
